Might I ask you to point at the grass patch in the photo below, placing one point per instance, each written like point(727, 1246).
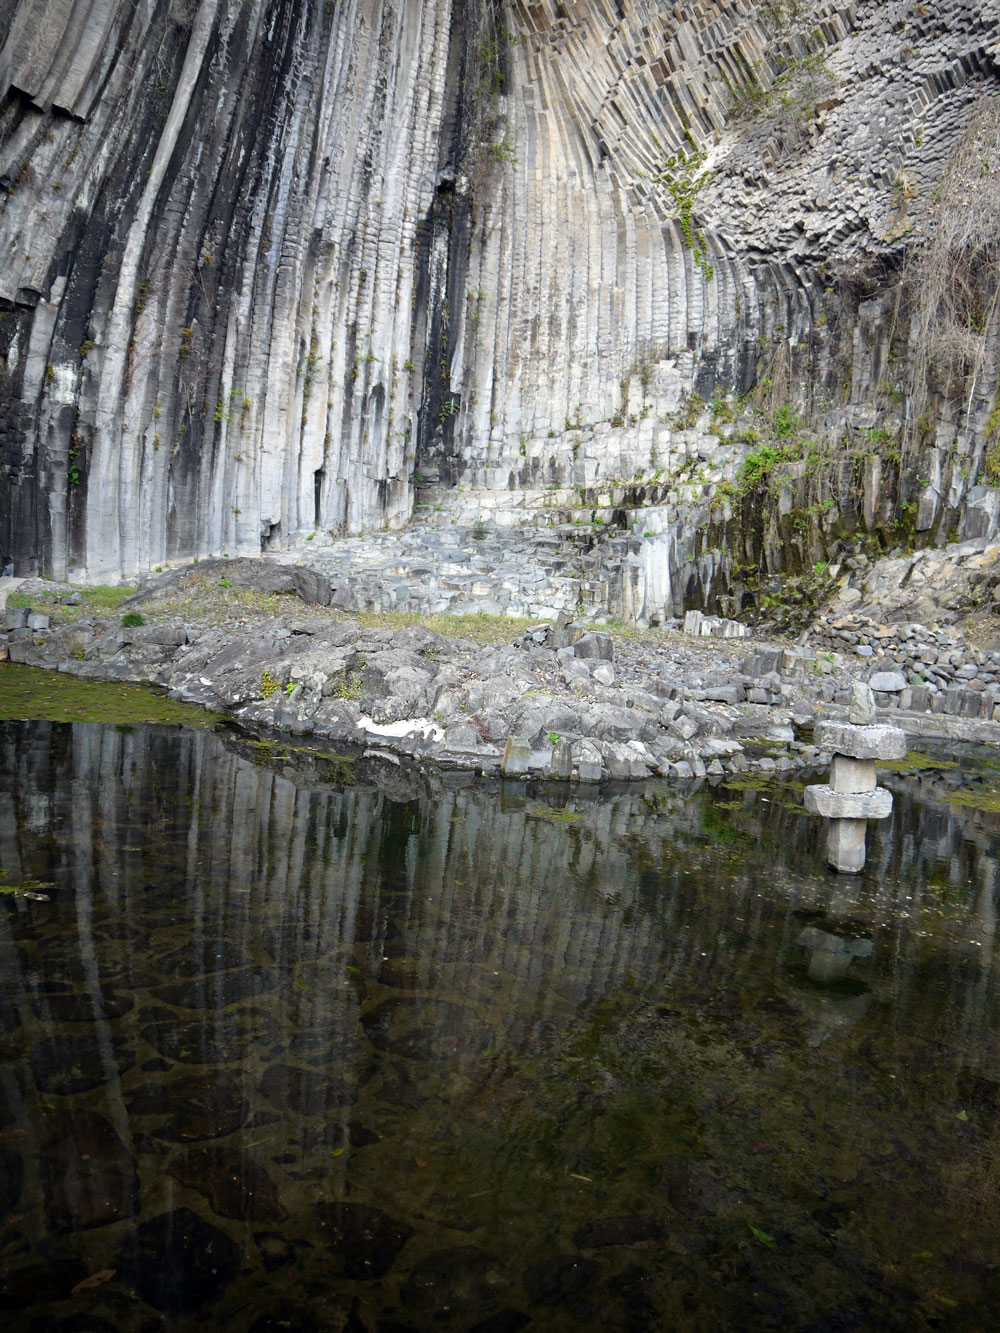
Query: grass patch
point(480, 628)
point(984, 799)
point(97, 599)
point(28, 693)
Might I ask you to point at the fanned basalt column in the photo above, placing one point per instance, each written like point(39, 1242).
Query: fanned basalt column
point(267, 268)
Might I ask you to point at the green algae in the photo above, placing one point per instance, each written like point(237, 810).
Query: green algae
point(986, 800)
point(33, 692)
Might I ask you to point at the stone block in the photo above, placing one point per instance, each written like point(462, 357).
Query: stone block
point(878, 742)
point(852, 775)
point(604, 673)
point(821, 799)
point(516, 757)
point(38, 620)
point(845, 845)
point(16, 618)
point(588, 763)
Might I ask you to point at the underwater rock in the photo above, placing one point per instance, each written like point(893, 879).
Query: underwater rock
point(178, 1262)
point(605, 1231)
point(305, 1091)
point(198, 1106)
point(365, 1240)
point(88, 1175)
point(561, 1280)
point(425, 1029)
point(11, 1180)
point(216, 992)
point(67, 1065)
point(218, 1040)
point(454, 1283)
point(233, 1183)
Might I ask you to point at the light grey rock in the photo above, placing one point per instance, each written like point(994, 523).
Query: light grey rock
point(876, 742)
point(887, 682)
point(862, 711)
point(821, 799)
point(603, 673)
point(37, 620)
point(594, 644)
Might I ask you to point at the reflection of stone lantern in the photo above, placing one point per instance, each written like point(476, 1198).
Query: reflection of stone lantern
point(830, 956)
point(851, 797)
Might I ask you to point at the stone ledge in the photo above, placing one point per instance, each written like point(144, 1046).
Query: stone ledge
point(821, 799)
point(878, 742)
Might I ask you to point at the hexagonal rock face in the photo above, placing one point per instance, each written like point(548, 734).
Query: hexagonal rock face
point(821, 799)
point(878, 742)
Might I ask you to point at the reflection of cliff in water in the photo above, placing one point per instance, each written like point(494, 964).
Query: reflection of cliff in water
point(413, 1046)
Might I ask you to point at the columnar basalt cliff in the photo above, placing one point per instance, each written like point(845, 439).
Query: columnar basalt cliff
point(276, 270)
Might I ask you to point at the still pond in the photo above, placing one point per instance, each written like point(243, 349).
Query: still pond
point(305, 1042)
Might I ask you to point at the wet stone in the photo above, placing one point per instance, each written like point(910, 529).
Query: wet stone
point(322, 1047)
point(88, 1175)
point(305, 1091)
point(364, 1240)
point(178, 1262)
point(67, 1065)
point(425, 1030)
point(464, 1281)
point(219, 1040)
point(330, 1314)
point(233, 1183)
point(199, 1106)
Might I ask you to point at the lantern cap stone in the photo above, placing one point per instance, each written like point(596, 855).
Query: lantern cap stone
point(878, 742)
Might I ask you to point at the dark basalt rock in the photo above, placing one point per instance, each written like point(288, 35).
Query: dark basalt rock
point(199, 1106)
point(234, 1184)
point(178, 1262)
point(67, 1065)
point(364, 1240)
point(88, 1175)
point(305, 1091)
point(81, 1008)
point(464, 1281)
point(226, 1037)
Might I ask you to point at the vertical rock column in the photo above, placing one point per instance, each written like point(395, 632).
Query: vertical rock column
point(851, 797)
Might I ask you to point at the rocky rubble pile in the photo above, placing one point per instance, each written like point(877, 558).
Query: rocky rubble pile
point(912, 666)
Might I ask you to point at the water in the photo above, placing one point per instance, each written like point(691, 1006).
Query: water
point(307, 1043)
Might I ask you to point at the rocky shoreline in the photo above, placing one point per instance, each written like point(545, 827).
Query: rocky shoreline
point(260, 642)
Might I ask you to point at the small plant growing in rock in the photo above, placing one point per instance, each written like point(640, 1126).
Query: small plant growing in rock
point(268, 684)
point(132, 620)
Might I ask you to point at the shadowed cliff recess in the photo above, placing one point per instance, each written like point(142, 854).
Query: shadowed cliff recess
point(281, 271)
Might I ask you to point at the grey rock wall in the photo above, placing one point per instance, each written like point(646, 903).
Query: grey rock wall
point(283, 269)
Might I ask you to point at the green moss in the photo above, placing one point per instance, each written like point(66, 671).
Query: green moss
point(32, 692)
point(914, 759)
point(977, 799)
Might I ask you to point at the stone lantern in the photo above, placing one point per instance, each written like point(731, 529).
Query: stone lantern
point(851, 797)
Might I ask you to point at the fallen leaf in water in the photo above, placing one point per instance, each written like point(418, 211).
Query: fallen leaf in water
point(963, 1115)
point(762, 1236)
point(338, 1152)
point(95, 1280)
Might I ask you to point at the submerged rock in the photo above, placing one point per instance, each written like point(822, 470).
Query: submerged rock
point(364, 1240)
point(233, 1183)
point(88, 1175)
point(456, 1283)
point(178, 1262)
point(198, 1106)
